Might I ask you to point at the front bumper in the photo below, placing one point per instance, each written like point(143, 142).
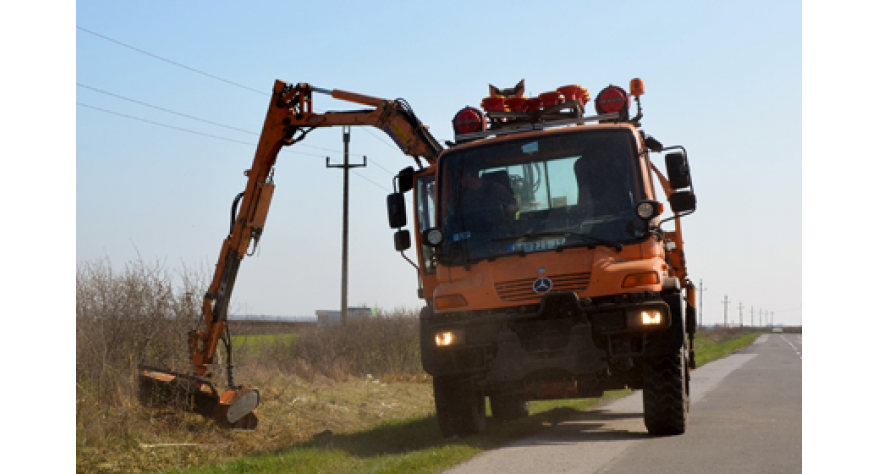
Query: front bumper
point(564, 336)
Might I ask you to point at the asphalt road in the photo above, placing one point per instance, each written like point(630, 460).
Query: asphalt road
point(745, 418)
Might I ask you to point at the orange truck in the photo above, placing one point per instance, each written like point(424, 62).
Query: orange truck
point(542, 262)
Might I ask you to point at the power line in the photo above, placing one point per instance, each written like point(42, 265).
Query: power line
point(163, 109)
point(165, 125)
point(215, 77)
point(175, 63)
point(217, 137)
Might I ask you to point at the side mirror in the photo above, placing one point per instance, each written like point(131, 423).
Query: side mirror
point(402, 240)
point(405, 179)
point(682, 201)
point(396, 211)
point(678, 171)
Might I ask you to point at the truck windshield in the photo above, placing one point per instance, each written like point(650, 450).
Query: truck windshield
point(539, 194)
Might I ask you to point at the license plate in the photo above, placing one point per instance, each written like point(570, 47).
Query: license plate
point(537, 245)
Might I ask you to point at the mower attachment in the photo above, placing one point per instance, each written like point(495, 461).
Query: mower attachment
point(231, 409)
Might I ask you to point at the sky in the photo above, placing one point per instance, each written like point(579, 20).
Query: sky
point(171, 97)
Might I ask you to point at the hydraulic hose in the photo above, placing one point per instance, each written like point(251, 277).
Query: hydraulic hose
point(232, 212)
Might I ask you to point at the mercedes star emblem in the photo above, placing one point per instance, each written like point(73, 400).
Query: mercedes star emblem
point(542, 285)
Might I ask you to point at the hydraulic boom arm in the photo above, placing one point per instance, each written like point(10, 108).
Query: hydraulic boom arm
point(289, 119)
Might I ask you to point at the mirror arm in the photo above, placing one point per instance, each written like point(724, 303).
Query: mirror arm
point(662, 178)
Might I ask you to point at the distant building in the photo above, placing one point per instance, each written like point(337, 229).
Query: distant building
point(333, 317)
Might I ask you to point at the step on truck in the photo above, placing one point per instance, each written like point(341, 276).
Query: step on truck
point(547, 265)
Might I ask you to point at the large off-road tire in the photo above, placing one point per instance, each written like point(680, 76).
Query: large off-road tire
point(460, 409)
point(665, 394)
point(508, 408)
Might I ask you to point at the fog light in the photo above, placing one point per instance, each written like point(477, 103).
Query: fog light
point(647, 318)
point(652, 318)
point(448, 338)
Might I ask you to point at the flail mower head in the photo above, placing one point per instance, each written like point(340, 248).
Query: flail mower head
point(231, 408)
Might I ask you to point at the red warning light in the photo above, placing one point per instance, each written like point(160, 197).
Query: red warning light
point(469, 120)
point(611, 100)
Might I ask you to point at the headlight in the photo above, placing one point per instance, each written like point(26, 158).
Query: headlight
point(449, 338)
point(433, 237)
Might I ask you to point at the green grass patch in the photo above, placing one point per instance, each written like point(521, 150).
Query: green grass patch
point(254, 345)
point(715, 345)
point(406, 446)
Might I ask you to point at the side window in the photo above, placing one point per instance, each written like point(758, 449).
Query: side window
point(426, 212)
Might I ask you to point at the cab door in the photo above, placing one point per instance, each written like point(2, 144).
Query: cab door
point(426, 218)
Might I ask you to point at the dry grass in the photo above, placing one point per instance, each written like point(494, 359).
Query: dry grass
point(325, 378)
point(386, 344)
point(124, 318)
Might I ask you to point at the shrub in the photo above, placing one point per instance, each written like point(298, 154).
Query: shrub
point(384, 344)
point(124, 319)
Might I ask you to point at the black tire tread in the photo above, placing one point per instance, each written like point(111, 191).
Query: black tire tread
point(460, 410)
point(665, 395)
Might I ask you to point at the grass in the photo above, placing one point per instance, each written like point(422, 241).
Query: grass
point(256, 344)
point(413, 443)
point(327, 403)
point(715, 345)
point(404, 445)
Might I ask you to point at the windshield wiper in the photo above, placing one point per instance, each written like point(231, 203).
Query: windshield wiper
point(528, 235)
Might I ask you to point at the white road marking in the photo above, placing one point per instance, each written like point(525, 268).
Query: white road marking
point(560, 449)
point(793, 347)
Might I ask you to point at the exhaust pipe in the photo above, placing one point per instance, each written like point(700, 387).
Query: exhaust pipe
point(231, 408)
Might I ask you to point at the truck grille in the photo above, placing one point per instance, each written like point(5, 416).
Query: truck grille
point(521, 290)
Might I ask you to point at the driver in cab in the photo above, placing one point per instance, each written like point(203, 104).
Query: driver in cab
point(489, 192)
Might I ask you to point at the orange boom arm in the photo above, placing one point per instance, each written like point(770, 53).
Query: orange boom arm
point(289, 119)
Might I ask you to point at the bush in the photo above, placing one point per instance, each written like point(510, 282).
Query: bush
point(142, 314)
point(124, 319)
point(385, 344)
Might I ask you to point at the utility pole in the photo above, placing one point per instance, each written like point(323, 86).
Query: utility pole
point(726, 302)
point(701, 290)
point(753, 316)
point(346, 135)
point(740, 314)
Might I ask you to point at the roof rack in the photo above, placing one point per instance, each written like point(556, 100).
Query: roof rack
point(521, 125)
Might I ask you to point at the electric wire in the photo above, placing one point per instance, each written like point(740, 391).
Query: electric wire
point(174, 127)
point(217, 137)
point(175, 63)
point(197, 71)
point(249, 132)
point(164, 109)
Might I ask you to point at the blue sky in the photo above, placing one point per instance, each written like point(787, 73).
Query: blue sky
point(723, 79)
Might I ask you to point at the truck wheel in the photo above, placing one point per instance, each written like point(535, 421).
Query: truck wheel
point(666, 395)
point(460, 410)
point(508, 408)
